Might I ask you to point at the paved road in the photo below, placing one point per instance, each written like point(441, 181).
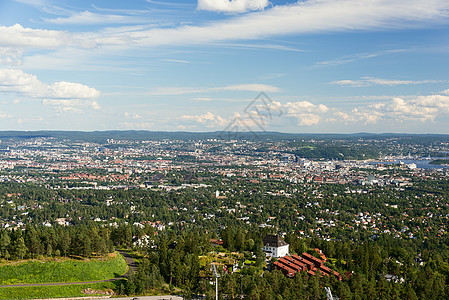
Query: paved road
point(131, 264)
point(129, 260)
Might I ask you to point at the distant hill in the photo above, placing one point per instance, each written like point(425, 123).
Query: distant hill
point(137, 135)
point(440, 162)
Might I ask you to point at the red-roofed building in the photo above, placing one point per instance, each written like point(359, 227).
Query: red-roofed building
point(323, 257)
point(285, 269)
point(296, 262)
point(290, 265)
point(308, 263)
point(317, 262)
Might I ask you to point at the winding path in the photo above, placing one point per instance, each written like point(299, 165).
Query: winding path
point(129, 260)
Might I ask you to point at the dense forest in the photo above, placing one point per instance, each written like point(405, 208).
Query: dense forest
point(420, 264)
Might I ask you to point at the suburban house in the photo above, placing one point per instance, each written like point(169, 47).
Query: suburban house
point(274, 246)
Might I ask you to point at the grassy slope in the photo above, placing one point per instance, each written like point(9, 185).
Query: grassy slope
point(67, 270)
point(51, 291)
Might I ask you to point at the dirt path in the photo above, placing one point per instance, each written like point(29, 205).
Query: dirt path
point(129, 260)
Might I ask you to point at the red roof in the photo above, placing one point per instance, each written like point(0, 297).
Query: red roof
point(296, 262)
point(326, 270)
point(290, 265)
point(285, 269)
point(313, 259)
point(308, 263)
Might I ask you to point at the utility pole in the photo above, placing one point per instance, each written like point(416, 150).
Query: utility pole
point(216, 281)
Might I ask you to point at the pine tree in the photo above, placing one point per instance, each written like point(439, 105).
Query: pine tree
point(5, 242)
point(20, 248)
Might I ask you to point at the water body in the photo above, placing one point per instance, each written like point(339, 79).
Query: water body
point(420, 163)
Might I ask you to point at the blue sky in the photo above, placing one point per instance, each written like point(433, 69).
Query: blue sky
point(325, 66)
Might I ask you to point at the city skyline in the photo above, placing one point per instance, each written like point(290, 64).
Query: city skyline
point(323, 66)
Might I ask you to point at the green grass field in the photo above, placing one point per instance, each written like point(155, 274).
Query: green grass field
point(65, 270)
point(52, 291)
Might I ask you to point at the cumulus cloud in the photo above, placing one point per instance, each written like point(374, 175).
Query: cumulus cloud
point(233, 6)
point(64, 89)
point(369, 81)
point(395, 110)
point(18, 36)
point(257, 117)
point(422, 108)
point(17, 81)
point(208, 119)
point(347, 118)
point(10, 56)
point(367, 116)
point(306, 113)
point(67, 95)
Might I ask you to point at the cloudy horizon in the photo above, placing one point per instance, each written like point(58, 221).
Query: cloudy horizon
point(340, 66)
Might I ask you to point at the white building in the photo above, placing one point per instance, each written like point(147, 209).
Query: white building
point(274, 246)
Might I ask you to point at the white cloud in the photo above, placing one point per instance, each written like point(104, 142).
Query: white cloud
point(305, 17)
point(234, 6)
point(369, 81)
point(367, 116)
point(71, 105)
point(202, 99)
point(141, 125)
point(175, 91)
point(395, 111)
point(66, 95)
point(208, 119)
point(131, 115)
point(63, 89)
point(255, 87)
point(422, 108)
point(32, 2)
point(177, 61)
point(87, 17)
point(346, 117)
point(356, 57)
point(18, 36)
point(16, 81)
point(302, 17)
point(260, 46)
point(10, 56)
point(4, 115)
point(306, 113)
point(19, 82)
